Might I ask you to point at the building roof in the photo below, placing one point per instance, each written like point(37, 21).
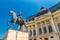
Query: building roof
point(44, 10)
point(55, 7)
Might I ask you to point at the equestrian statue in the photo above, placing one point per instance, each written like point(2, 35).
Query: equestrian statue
point(17, 19)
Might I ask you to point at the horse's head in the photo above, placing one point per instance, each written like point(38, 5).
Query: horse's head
point(12, 13)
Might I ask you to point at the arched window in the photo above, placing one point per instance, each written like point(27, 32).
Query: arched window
point(45, 31)
point(30, 33)
point(40, 31)
point(34, 32)
point(50, 29)
point(59, 27)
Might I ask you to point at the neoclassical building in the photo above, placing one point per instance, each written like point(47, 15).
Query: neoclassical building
point(44, 25)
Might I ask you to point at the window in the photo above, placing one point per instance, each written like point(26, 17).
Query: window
point(34, 32)
point(40, 38)
point(45, 31)
point(52, 37)
point(40, 31)
point(50, 29)
point(30, 33)
point(59, 27)
point(46, 38)
point(34, 39)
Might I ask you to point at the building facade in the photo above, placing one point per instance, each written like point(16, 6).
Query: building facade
point(45, 25)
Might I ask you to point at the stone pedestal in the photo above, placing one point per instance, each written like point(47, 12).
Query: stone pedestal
point(16, 35)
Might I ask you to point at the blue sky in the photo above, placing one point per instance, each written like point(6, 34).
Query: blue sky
point(27, 7)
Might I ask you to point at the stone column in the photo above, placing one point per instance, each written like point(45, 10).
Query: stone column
point(28, 31)
point(57, 28)
point(46, 26)
point(32, 31)
point(37, 32)
point(53, 25)
point(56, 25)
point(41, 27)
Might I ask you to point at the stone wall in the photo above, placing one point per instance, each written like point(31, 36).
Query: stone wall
point(16, 35)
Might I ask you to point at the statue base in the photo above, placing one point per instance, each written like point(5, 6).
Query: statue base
point(16, 35)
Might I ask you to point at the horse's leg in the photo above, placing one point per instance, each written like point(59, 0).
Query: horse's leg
point(13, 24)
